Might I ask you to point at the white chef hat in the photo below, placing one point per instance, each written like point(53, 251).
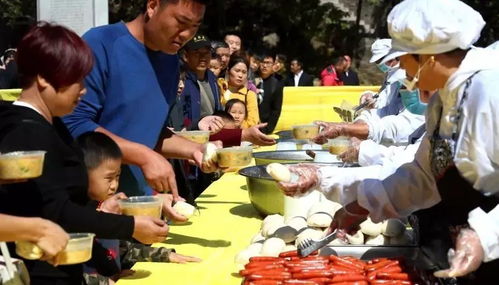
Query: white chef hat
point(380, 49)
point(433, 26)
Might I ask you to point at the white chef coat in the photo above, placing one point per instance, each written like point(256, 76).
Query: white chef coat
point(413, 187)
point(392, 87)
point(371, 153)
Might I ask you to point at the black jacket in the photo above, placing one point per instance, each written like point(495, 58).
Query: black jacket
point(60, 193)
point(305, 80)
point(350, 79)
point(270, 107)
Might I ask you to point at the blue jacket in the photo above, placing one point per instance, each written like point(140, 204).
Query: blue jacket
point(191, 97)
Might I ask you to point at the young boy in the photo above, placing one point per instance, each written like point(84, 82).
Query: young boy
point(102, 158)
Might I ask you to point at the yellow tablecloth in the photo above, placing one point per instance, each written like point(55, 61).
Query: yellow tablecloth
point(9, 94)
point(224, 226)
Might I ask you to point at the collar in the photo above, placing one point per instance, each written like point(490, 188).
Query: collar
point(27, 105)
point(299, 73)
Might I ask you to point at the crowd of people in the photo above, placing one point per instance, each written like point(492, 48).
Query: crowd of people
point(105, 108)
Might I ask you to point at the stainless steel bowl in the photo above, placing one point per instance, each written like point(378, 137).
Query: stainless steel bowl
point(263, 192)
point(286, 156)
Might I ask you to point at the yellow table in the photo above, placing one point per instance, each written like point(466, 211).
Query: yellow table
point(224, 226)
point(9, 94)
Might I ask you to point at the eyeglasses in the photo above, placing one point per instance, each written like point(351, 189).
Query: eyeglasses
point(267, 63)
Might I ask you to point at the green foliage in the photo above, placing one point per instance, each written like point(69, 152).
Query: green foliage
point(14, 11)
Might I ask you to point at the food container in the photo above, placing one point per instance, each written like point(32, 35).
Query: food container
point(142, 206)
point(234, 156)
point(263, 191)
point(305, 131)
point(296, 156)
point(78, 249)
point(339, 145)
point(21, 164)
point(201, 137)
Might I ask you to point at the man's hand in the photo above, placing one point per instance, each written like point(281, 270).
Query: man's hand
point(255, 136)
point(52, 239)
point(213, 124)
point(352, 153)
point(168, 210)
point(467, 256)
point(308, 177)
point(158, 172)
point(179, 258)
point(111, 204)
point(329, 131)
point(149, 230)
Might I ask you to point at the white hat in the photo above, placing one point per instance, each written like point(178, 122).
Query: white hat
point(393, 53)
point(433, 26)
point(380, 49)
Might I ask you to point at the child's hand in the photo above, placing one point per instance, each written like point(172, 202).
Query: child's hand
point(111, 204)
point(179, 258)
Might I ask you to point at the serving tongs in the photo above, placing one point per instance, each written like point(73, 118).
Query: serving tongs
point(307, 246)
point(363, 105)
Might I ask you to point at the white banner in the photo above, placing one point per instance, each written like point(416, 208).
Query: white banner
point(78, 15)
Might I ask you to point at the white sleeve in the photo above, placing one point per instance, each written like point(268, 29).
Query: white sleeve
point(477, 155)
point(486, 225)
point(394, 129)
point(371, 153)
point(412, 187)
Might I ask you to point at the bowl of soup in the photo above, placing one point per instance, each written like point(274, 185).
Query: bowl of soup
point(21, 164)
point(201, 137)
point(142, 206)
point(234, 156)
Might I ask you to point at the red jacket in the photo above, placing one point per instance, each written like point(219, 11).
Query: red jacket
point(329, 77)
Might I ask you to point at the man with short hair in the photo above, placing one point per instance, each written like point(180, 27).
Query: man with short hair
point(349, 77)
point(131, 87)
point(222, 50)
point(271, 102)
point(234, 42)
point(298, 77)
point(201, 90)
point(330, 75)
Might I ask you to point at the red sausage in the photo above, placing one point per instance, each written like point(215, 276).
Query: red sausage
point(345, 263)
point(300, 282)
point(348, 277)
point(381, 264)
point(350, 283)
point(264, 258)
point(307, 274)
point(272, 275)
point(262, 263)
point(265, 282)
point(392, 276)
point(291, 253)
point(245, 272)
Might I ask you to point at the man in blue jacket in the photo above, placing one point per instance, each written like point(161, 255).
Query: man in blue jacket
point(200, 97)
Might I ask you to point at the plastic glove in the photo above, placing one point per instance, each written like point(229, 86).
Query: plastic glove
point(349, 218)
point(368, 97)
point(467, 256)
point(352, 153)
point(329, 131)
point(213, 124)
point(308, 177)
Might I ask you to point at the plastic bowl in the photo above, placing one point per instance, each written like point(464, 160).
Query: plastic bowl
point(338, 145)
point(78, 250)
point(141, 206)
point(234, 156)
point(303, 132)
point(201, 137)
point(21, 164)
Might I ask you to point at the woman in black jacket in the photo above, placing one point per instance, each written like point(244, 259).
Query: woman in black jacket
point(52, 63)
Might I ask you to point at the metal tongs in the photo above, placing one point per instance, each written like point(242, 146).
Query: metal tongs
point(363, 105)
point(307, 246)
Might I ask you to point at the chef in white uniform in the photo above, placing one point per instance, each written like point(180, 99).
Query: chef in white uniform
point(453, 183)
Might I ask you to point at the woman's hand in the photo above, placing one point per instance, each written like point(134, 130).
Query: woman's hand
point(467, 256)
point(308, 177)
point(367, 96)
point(352, 153)
point(111, 204)
point(52, 239)
point(349, 218)
point(329, 131)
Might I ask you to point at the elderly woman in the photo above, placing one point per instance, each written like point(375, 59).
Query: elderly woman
point(235, 88)
point(52, 63)
point(455, 173)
